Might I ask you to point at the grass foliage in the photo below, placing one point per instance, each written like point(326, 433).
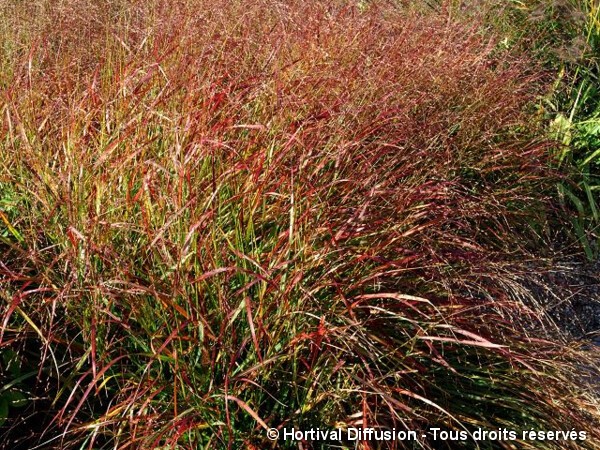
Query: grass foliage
point(222, 218)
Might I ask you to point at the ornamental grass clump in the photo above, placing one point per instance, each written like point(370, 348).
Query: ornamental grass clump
point(219, 219)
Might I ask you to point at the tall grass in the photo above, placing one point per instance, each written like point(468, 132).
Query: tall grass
point(223, 218)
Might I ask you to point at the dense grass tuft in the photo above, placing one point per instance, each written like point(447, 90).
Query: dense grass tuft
point(222, 218)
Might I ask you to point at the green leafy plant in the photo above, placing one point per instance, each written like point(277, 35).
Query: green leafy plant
point(574, 109)
point(578, 129)
point(10, 394)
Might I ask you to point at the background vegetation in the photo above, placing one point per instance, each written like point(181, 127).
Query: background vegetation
point(565, 36)
point(220, 218)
